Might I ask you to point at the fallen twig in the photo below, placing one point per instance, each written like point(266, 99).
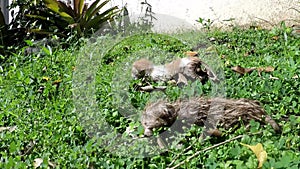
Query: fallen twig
point(202, 139)
point(206, 149)
point(186, 149)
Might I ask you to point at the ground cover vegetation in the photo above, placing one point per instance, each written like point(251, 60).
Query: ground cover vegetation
point(40, 127)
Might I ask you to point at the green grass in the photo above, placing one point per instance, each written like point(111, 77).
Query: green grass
point(37, 95)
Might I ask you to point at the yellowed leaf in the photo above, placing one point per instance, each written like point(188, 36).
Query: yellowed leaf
point(57, 81)
point(10, 129)
point(46, 78)
point(191, 53)
point(262, 158)
point(259, 152)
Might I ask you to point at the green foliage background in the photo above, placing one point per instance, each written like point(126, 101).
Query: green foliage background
point(36, 96)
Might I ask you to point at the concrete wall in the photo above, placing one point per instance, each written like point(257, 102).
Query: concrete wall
point(240, 12)
point(183, 13)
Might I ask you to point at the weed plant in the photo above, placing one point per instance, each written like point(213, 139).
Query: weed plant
point(36, 96)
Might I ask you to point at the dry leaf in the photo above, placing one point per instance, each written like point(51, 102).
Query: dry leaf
point(10, 129)
point(223, 56)
point(265, 69)
point(191, 53)
point(275, 37)
point(242, 70)
point(269, 69)
point(37, 162)
point(260, 153)
point(51, 164)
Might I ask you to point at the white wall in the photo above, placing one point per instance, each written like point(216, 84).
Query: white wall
point(243, 11)
point(183, 13)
